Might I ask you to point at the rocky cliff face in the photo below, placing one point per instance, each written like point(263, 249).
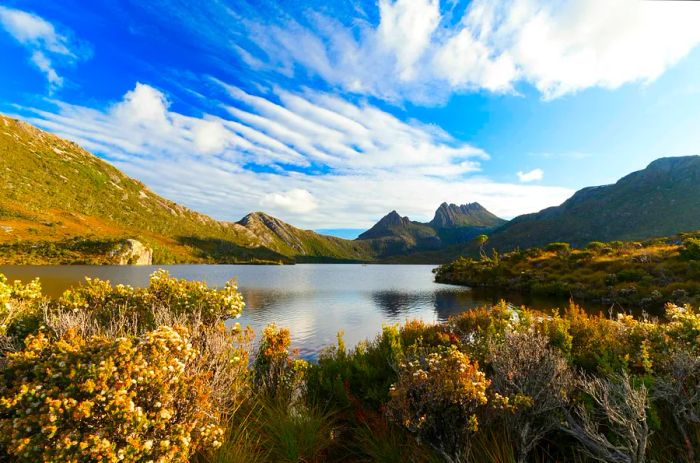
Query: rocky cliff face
point(132, 252)
point(466, 215)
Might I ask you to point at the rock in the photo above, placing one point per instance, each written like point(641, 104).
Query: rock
point(132, 252)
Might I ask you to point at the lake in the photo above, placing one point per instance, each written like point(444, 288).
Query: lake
point(314, 300)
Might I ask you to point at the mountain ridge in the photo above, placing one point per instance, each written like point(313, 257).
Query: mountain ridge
point(660, 200)
point(61, 204)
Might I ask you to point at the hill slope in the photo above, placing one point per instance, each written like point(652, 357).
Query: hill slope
point(61, 204)
point(305, 245)
point(661, 200)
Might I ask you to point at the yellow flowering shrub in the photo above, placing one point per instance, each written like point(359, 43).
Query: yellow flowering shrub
point(276, 373)
point(19, 306)
point(438, 396)
point(164, 294)
point(97, 399)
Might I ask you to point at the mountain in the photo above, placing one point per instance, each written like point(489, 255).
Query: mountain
point(661, 200)
point(61, 204)
point(466, 215)
point(395, 235)
point(304, 245)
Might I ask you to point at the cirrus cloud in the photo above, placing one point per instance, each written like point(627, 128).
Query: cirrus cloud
point(312, 158)
point(46, 45)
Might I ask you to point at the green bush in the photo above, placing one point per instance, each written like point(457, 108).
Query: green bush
point(559, 248)
point(691, 249)
point(595, 246)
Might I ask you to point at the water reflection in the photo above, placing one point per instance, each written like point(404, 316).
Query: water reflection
point(315, 301)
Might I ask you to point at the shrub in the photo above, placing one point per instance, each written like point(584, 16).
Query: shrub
point(691, 249)
point(536, 380)
point(631, 275)
point(101, 399)
point(142, 306)
point(275, 373)
point(595, 246)
point(560, 248)
point(438, 396)
point(20, 308)
point(614, 427)
point(360, 377)
point(679, 388)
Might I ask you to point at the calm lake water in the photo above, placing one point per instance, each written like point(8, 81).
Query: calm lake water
point(314, 300)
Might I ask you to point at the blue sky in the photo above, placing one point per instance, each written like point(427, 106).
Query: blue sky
point(330, 114)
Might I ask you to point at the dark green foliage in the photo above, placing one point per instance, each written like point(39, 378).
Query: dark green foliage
point(559, 248)
point(364, 373)
point(691, 249)
point(629, 274)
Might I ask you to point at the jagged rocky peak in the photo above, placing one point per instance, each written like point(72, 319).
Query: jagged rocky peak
point(389, 222)
point(466, 215)
point(393, 219)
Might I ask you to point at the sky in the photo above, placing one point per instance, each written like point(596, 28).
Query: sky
point(329, 115)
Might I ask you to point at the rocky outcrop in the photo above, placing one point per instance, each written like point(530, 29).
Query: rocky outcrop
point(132, 252)
point(466, 215)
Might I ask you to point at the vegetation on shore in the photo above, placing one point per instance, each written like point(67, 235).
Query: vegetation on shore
point(628, 274)
point(115, 373)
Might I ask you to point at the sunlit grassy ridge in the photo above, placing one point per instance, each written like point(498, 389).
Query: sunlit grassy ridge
point(61, 204)
point(153, 374)
point(632, 274)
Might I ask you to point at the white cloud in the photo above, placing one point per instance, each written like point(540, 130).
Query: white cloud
point(421, 53)
point(296, 200)
point(531, 176)
point(317, 160)
point(44, 42)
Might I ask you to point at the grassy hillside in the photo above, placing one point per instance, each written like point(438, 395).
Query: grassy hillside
point(61, 204)
point(647, 274)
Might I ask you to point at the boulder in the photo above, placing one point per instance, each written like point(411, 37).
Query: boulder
point(132, 252)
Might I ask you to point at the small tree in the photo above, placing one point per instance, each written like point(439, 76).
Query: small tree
point(481, 241)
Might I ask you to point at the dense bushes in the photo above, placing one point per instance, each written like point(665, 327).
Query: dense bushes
point(154, 375)
point(117, 373)
point(101, 399)
point(626, 274)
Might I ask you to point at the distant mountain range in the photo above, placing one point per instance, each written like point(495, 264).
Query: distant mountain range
point(55, 197)
point(396, 235)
